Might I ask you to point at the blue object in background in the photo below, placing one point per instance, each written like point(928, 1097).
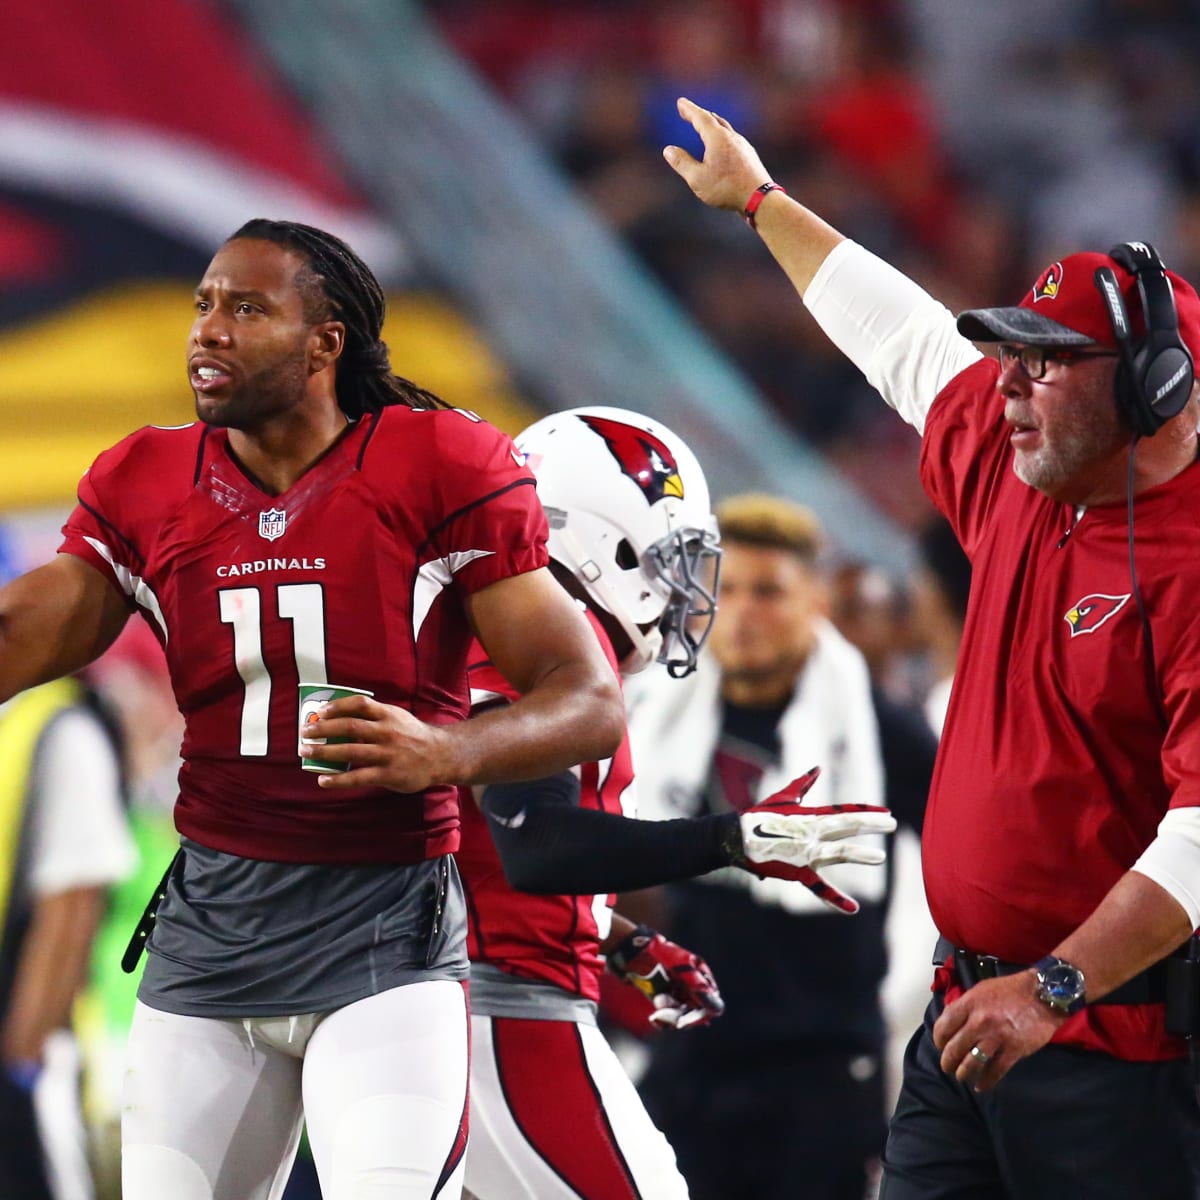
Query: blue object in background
point(665, 127)
point(11, 564)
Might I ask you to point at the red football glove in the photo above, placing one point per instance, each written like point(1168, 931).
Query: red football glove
point(784, 839)
point(679, 983)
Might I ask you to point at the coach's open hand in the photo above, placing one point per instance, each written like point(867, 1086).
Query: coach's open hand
point(731, 169)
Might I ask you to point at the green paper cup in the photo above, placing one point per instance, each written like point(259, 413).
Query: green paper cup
point(312, 697)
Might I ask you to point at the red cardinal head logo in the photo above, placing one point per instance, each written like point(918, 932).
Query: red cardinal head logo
point(1049, 281)
point(641, 456)
point(1088, 614)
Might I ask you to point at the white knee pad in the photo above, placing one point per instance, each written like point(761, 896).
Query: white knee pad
point(394, 1133)
point(148, 1172)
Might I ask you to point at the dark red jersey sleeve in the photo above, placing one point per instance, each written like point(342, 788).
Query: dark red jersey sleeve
point(492, 524)
point(121, 502)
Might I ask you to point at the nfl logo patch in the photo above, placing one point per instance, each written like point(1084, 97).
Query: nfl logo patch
point(272, 523)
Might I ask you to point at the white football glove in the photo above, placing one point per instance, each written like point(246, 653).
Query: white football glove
point(784, 839)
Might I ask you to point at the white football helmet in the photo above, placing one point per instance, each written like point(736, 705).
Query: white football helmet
point(630, 518)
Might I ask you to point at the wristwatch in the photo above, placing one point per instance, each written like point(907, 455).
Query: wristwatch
point(1060, 985)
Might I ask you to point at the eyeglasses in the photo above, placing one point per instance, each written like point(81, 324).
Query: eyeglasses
point(1033, 359)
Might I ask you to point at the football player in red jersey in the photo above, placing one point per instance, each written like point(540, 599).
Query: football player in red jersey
point(633, 539)
point(323, 521)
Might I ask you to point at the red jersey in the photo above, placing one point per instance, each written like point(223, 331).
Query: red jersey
point(1057, 763)
point(550, 938)
point(356, 576)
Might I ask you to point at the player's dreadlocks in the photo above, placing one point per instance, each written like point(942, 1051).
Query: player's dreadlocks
point(339, 284)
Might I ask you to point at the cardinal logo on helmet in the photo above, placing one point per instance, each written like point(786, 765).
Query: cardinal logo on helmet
point(1049, 281)
point(641, 456)
point(1088, 614)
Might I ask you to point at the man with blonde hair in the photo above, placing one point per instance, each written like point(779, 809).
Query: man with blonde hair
point(794, 1064)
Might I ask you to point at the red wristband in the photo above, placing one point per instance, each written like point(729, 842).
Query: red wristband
point(756, 198)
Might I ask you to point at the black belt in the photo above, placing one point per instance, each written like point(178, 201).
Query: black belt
point(137, 943)
point(1148, 987)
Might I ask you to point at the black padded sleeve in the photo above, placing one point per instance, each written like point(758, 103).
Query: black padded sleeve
point(549, 845)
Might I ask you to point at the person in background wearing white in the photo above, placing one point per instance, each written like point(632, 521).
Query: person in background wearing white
point(64, 842)
point(796, 1061)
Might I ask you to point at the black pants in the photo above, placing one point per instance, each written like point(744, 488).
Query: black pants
point(1063, 1124)
point(22, 1162)
point(805, 1126)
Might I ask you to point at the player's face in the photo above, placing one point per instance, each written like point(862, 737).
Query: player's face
point(766, 608)
point(1067, 438)
point(249, 348)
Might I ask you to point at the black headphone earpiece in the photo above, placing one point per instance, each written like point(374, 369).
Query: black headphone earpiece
point(1154, 377)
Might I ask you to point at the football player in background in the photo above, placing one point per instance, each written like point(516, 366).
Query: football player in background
point(323, 520)
point(634, 540)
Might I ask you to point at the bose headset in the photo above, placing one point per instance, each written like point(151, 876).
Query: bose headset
point(1155, 374)
point(1153, 384)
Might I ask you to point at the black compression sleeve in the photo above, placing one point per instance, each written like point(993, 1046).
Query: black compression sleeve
point(548, 845)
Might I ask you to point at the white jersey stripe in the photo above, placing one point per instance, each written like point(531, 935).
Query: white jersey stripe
point(133, 585)
point(434, 577)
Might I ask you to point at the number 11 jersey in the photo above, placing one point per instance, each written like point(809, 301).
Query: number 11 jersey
point(356, 575)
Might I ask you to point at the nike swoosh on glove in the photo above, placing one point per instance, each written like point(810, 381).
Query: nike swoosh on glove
point(784, 839)
point(678, 982)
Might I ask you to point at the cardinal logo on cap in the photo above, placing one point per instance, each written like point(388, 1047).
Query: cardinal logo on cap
point(1048, 283)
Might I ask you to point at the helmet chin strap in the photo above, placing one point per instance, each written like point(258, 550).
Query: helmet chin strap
point(645, 646)
point(645, 652)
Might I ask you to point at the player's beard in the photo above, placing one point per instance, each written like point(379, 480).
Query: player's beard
point(259, 397)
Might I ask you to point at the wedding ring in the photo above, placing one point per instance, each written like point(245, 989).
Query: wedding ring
point(980, 1055)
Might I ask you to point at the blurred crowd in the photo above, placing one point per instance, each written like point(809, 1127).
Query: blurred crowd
point(883, 116)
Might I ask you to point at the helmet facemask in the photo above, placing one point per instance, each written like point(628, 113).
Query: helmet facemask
point(688, 562)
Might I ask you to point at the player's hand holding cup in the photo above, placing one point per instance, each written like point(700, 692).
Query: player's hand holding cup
point(314, 698)
point(353, 740)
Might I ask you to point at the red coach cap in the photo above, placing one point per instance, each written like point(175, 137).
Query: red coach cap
point(1064, 308)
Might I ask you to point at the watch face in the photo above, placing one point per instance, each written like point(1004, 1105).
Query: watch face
point(1062, 982)
point(1061, 986)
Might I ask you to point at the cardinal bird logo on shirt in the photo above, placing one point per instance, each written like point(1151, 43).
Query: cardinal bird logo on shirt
point(1088, 614)
point(1048, 283)
point(641, 456)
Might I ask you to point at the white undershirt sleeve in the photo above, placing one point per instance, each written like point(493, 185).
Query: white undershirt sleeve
point(79, 834)
point(1172, 860)
point(903, 340)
